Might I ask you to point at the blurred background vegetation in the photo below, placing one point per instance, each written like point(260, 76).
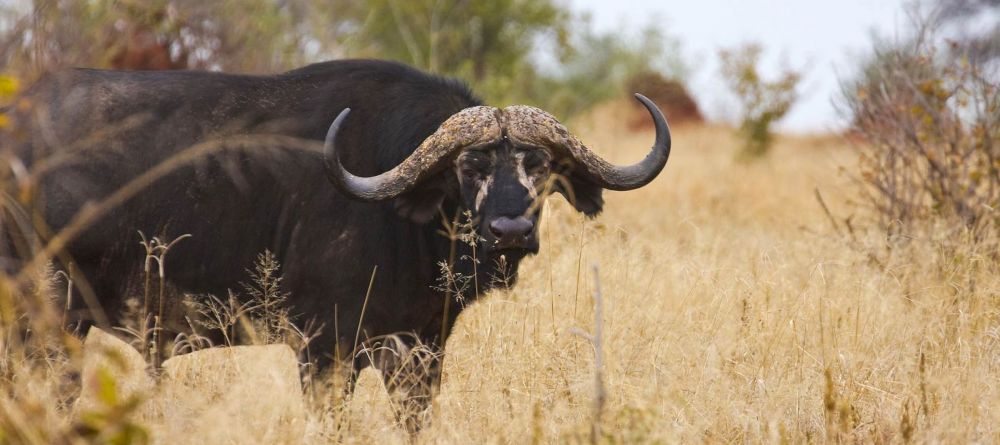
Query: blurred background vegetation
point(762, 102)
point(926, 108)
point(509, 51)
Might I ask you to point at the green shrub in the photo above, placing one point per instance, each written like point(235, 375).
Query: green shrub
point(762, 102)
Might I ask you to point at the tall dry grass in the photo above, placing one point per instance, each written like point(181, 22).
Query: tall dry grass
point(733, 311)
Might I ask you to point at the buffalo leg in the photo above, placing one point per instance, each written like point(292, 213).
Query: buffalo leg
point(411, 371)
point(354, 368)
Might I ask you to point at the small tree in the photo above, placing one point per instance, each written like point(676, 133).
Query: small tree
point(37, 36)
point(600, 66)
point(762, 102)
point(487, 43)
point(928, 111)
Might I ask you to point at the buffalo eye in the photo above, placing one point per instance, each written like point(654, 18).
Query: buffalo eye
point(470, 174)
point(474, 167)
point(535, 162)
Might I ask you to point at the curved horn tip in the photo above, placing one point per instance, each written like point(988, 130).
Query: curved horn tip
point(331, 160)
point(647, 102)
point(658, 117)
point(332, 132)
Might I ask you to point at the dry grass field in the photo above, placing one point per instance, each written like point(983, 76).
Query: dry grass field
point(734, 310)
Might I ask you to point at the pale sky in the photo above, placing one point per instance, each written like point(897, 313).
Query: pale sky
point(825, 36)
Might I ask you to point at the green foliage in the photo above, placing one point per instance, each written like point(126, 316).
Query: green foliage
point(485, 42)
point(231, 35)
point(490, 45)
point(599, 66)
point(509, 51)
point(762, 102)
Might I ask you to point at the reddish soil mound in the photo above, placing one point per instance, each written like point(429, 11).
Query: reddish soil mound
point(669, 94)
point(143, 49)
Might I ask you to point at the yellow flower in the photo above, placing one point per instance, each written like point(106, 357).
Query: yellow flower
point(8, 86)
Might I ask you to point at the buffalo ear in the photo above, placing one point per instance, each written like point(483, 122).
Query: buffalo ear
point(421, 204)
point(585, 196)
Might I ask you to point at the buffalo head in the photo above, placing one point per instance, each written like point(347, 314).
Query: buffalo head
point(500, 164)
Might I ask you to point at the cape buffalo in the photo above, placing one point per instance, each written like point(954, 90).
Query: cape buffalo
point(406, 153)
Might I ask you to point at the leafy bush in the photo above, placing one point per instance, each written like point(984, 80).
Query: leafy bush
point(231, 35)
point(762, 102)
point(510, 51)
point(930, 119)
point(598, 67)
point(487, 43)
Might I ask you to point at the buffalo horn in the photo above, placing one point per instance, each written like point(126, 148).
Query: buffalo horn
point(469, 127)
point(531, 126)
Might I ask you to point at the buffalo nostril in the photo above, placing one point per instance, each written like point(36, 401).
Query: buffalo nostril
point(496, 228)
point(511, 229)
